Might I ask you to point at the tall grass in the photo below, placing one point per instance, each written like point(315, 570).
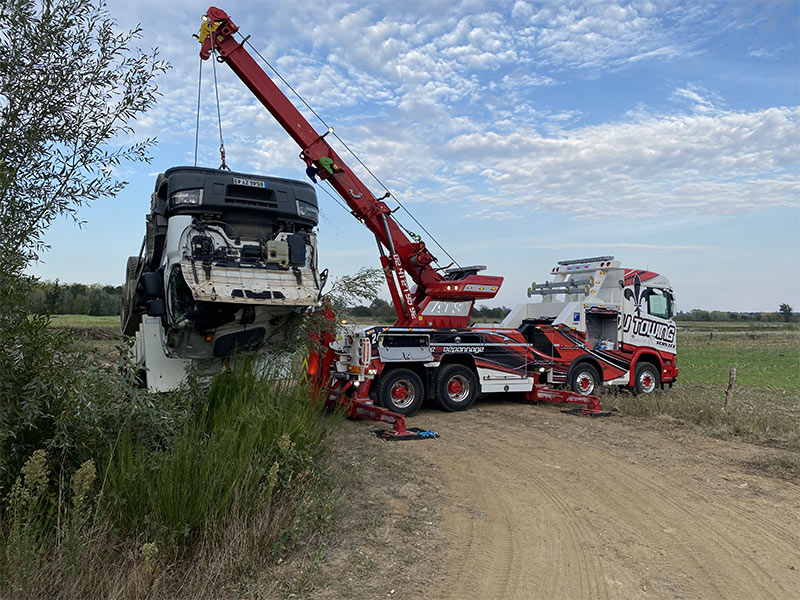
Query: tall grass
point(251, 435)
point(239, 484)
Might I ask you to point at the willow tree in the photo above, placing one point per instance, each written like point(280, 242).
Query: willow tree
point(71, 88)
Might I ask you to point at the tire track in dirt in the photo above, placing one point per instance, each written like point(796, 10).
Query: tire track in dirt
point(534, 514)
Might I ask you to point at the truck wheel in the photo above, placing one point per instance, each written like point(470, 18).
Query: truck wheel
point(645, 378)
point(584, 379)
point(401, 391)
point(456, 388)
point(128, 316)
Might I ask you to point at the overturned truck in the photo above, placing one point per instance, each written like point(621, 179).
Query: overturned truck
point(227, 260)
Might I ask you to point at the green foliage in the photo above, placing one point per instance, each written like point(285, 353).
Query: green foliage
point(54, 298)
point(56, 398)
point(253, 435)
point(719, 316)
point(787, 312)
point(70, 84)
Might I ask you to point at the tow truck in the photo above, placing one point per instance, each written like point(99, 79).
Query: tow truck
point(591, 328)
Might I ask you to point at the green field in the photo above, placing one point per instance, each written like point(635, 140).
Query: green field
point(765, 405)
point(84, 321)
point(763, 357)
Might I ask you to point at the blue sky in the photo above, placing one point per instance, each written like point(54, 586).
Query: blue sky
point(665, 133)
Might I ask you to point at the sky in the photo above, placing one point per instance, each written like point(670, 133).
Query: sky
point(662, 132)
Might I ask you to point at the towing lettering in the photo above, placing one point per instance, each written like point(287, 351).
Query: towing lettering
point(663, 332)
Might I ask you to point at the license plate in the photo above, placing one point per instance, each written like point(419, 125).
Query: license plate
point(250, 182)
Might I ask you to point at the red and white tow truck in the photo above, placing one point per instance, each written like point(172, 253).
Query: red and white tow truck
point(597, 322)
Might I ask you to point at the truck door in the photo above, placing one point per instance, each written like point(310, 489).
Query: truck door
point(647, 318)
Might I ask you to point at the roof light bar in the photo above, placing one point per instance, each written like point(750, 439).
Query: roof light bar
point(584, 260)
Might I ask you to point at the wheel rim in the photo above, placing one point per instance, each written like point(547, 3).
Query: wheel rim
point(402, 393)
point(585, 382)
point(647, 383)
point(458, 388)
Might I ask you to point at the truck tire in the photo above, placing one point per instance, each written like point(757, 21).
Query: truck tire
point(646, 379)
point(584, 379)
point(128, 315)
point(456, 388)
point(401, 391)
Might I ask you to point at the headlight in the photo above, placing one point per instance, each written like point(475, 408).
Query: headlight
point(307, 211)
point(187, 197)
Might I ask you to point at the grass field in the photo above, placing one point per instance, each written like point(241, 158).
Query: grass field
point(85, 321)
point(763, 357)
point(765, 406)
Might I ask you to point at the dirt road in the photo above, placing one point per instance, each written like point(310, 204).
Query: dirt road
point(539, 504)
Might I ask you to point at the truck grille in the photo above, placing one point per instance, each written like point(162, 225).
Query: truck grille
point(250, 196)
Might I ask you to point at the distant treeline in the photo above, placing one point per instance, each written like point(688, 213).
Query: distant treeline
point(58, 298)
point(55, 298)
point(724, 315)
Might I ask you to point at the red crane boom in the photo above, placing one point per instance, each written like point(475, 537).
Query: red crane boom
point(440, 300)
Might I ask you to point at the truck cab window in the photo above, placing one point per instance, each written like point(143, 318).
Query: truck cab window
point(658, 304)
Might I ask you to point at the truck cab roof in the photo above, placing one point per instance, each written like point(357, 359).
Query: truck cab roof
point(230, 194)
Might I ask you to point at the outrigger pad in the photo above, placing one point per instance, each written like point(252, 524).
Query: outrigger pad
point(581, 413)
point(412, 433)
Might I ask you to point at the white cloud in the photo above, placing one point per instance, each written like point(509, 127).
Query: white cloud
point(440, 101)
point(721, 162)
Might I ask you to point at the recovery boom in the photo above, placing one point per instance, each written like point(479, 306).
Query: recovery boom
point(440, 299)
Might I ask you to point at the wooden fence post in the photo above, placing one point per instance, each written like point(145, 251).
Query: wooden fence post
point(729, 391)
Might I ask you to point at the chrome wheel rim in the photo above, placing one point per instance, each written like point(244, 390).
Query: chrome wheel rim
point(585, 382)
point(458, 388)
point(402, 394)
point(647, 383)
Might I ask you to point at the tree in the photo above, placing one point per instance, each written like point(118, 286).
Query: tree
point(787, 312)
point(70, 88)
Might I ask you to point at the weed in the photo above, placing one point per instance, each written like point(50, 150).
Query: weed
point(29, 515)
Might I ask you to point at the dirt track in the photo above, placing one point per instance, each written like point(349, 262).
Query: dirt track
point(538, 504)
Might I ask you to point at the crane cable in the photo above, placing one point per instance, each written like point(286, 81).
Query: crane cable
point(197, 124)
point(219, 114)
point(308, 106)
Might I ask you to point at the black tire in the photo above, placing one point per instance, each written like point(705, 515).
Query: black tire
point(584, 379)
point(456, 388)
point(401, 391)
point(646, 379)
point(129, 317)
